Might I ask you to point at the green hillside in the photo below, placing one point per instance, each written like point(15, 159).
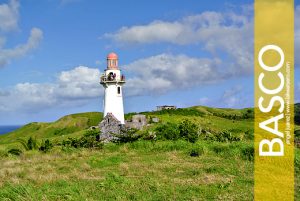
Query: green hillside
point(73, 124)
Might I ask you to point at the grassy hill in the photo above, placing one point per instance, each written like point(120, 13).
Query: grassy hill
point(70, 125)
point(141, 170)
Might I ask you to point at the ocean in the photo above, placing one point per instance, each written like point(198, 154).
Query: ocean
point(6, 129)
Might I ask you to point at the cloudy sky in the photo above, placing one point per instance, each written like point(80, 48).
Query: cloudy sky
point(182, 53)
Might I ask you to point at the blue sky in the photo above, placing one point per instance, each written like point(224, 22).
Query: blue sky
point(181, 53)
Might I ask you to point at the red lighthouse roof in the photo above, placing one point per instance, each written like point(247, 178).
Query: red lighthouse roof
point(112, 55)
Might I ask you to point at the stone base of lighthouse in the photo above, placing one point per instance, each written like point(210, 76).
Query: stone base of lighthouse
point(110, 127)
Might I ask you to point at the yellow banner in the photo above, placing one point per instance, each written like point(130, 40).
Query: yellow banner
point(274, 100)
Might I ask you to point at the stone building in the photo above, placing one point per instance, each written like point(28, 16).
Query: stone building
point(138, 122)
point(166, 107)
point(109, 127)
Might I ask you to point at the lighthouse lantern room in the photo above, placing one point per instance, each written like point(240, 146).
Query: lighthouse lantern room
point(112, 80)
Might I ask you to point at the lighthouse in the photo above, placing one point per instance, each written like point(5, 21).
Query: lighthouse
point(112, 80)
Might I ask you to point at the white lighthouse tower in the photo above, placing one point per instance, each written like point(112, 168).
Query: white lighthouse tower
point(112, 80)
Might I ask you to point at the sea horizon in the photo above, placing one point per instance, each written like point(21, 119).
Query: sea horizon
point(8, 128)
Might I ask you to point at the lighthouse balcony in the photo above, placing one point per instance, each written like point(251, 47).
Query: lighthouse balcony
point(112, 79)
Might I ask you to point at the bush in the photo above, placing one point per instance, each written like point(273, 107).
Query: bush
point(226, 136)
point(223, 136)
point(89, 140)
point(46, 146)
point(30, 144)
point(127, 135)
point(249, 134)
point(168, 131)
point(16, 152)
point(248, 153)
point(188, 131)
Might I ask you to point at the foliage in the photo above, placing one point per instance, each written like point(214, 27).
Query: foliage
point(230, 114)
point(219, 136)
point(297, 113)
point(30, 144)
point(179, 111)
point(188, 131)
point(297, 138)
point(14, 151)
point(46, 146)
point(127, 135)
point(168, 131)
point(89, 140)
point(226, 136)
point(248, 153)
point(249, 134)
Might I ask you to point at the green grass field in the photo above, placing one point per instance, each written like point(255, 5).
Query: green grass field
point(141, 170)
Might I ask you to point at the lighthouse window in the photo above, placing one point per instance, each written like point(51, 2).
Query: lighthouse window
point(119, 90)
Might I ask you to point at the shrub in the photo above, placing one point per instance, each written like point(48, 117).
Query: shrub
point(46, 146)
point(249, 134)
point(223, 136)
point(168, 131)
point(89, 140)
point(248, 153)
point(127, 135)
point(30, 144)
point(188, 131)
point(15, 152)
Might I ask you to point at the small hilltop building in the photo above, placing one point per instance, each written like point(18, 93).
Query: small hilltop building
point(166, 107)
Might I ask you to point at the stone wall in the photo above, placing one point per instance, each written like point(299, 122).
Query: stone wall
point(109, 126)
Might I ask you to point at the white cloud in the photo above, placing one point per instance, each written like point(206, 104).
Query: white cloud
point(228, 33)
point(80, 83)
point(6, 55)
point(71, 88)
point(9, 14)
point(161, 73)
